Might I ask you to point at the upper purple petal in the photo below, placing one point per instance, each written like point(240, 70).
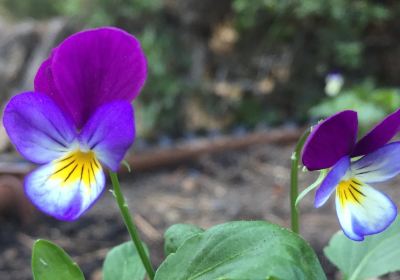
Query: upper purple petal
point(44, 81)
point(110, 132)
point(44, 78)
point(330, 140)
point(91, 68)
point(37, 127)
point(379, 135)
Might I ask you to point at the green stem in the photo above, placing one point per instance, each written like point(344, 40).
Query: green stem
point(130, 225)
point(294, 189)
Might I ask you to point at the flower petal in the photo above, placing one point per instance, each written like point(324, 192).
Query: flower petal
point(37, 127)
point(44, 78)
point(110, 132)
point(330, 182)
point(378, 166)
point(67, 187)
point(94, 67)
point(379, 135)
point(371, 213)
point(44, 81)
point(330, 140)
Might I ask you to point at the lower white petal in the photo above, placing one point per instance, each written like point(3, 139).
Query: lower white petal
point(67, 187)
point(363, 210)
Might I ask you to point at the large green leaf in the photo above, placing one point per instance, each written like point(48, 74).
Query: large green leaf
point(123, 263)
point(177, 234)
point(242, 250)
point(51, 262)
point(376, 255)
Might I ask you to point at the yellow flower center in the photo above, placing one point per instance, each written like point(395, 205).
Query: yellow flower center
point(76, 166)
point(350, 191)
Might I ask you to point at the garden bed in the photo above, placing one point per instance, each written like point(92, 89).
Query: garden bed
point(248, 184)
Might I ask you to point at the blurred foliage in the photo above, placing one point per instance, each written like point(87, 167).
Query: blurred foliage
point(105, 12)
point(305, 40)
point(164, 91)
point(30, 9)
point(324, 36)
point(340, 21)
point(371, 103)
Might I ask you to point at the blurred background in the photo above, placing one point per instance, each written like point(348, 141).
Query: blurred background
point(231, 85)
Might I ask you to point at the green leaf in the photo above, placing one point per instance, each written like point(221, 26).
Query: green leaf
point(51, 262)
point(123, 263)
point(242, 250)
point(376, 255)
point(177, 234)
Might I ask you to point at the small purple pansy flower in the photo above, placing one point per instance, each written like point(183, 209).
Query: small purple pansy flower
point(353, 165)
point(78, 119)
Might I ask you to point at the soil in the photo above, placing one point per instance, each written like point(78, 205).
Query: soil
point(250, 184)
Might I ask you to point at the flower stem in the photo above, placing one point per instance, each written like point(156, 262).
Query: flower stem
point(130, 225)
point(294, 189)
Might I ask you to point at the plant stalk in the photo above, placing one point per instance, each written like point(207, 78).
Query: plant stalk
point(130, 225)
point(294, 178)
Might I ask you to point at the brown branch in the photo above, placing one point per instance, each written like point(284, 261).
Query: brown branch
point(160, 157)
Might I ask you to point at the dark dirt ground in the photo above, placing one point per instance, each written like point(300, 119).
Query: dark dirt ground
point(248, 184)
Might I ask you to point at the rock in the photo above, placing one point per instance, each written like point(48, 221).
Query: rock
point(13, 202)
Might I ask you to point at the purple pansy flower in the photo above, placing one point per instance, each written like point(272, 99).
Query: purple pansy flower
point(353, 165)
point(78, 119)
